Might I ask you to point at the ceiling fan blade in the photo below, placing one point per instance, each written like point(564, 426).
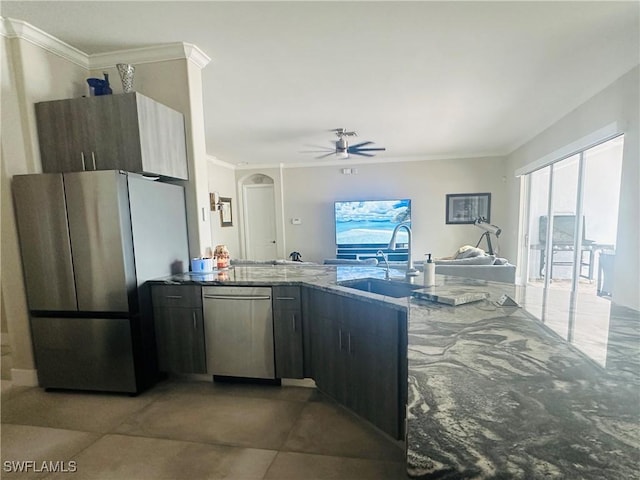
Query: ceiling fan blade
point(318, 147)
point(366, 149)
point(326, 155)
point(357, 152)
point(358, 145)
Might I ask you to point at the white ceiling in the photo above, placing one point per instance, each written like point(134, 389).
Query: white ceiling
point(423, 79)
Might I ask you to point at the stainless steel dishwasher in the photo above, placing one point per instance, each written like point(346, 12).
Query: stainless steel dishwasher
point(238, 329)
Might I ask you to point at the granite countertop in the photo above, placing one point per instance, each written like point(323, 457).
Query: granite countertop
point(493, 392)
point(323, 277)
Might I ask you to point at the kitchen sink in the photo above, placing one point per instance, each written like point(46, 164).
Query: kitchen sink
point(389, 288)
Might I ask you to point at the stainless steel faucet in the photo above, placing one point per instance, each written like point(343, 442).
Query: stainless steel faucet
point(380, 253)
point(411, 271)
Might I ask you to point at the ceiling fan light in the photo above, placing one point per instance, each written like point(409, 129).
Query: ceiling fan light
point(342, 154)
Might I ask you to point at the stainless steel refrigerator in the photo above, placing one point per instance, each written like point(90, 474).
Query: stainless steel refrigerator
point(89, 241)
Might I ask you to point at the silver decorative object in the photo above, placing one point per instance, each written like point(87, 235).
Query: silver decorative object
point(126, 75)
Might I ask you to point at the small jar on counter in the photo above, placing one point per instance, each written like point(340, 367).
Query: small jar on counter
point(221, 254)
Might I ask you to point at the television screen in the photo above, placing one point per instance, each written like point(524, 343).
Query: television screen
point(362, 222)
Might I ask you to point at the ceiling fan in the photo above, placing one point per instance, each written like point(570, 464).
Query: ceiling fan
point(343, 149)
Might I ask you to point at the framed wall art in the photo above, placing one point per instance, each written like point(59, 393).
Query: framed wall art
point(463, 208)
point(226, 214)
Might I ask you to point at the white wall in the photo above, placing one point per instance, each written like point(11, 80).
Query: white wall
point(619, 103)
point(222, 179)
point(309, 194)
point(30, 74)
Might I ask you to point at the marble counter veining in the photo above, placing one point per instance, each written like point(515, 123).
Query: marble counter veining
point(495, 394)
point(492, 391)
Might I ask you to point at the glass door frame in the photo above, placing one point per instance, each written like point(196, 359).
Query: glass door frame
point(524, 252)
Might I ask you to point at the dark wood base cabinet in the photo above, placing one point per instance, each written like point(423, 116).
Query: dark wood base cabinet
point(177, 315)
point(355, 350)
point(357, 356)
point(287, 331)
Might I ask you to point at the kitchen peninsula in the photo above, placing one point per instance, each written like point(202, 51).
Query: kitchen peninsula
point(491, 392)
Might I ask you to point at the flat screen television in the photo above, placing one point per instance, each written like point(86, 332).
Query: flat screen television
point(371, 222)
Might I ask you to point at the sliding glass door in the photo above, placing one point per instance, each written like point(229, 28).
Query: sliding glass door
point(571, 236)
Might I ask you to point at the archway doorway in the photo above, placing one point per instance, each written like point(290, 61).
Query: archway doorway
point(259, 218)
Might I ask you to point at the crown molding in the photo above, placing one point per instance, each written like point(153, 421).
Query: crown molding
point(195, 55)
point(12, 28)
point(352, 160)
point(221, 163)
point(152, 54)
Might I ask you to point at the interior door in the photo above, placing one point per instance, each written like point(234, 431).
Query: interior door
point(260, 222)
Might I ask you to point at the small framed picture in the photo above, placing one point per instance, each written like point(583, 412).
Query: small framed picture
point(468, 207)
point(226, 214)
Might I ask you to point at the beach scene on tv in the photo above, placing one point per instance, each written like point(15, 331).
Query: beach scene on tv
point(371, 221)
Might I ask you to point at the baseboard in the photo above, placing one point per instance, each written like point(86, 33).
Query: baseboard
point(24, 377)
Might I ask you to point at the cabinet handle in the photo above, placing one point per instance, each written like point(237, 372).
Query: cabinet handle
point(293, 322)
point(93, 159)
point(349, 343)
point(195, 323)
point(174, 297)
point(84, 167)
point(340, 339)
point(285, 298)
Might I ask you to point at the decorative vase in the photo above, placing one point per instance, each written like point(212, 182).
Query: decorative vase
point(126, 75)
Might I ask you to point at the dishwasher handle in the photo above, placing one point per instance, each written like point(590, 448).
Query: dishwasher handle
point(237, 297)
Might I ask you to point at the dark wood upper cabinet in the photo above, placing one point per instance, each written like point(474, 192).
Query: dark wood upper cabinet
point(128, 132)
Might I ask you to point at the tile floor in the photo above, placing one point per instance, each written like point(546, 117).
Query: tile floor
point(190, 429)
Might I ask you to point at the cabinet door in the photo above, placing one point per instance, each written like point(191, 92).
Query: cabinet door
point(179, 326)
point(162, 142)
point(64, 135)
point(373, 349)
point(328, 344)
point(116, 141)
point(180, 339)
point(128, 132)
point(287, 332)
point(185, 296)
